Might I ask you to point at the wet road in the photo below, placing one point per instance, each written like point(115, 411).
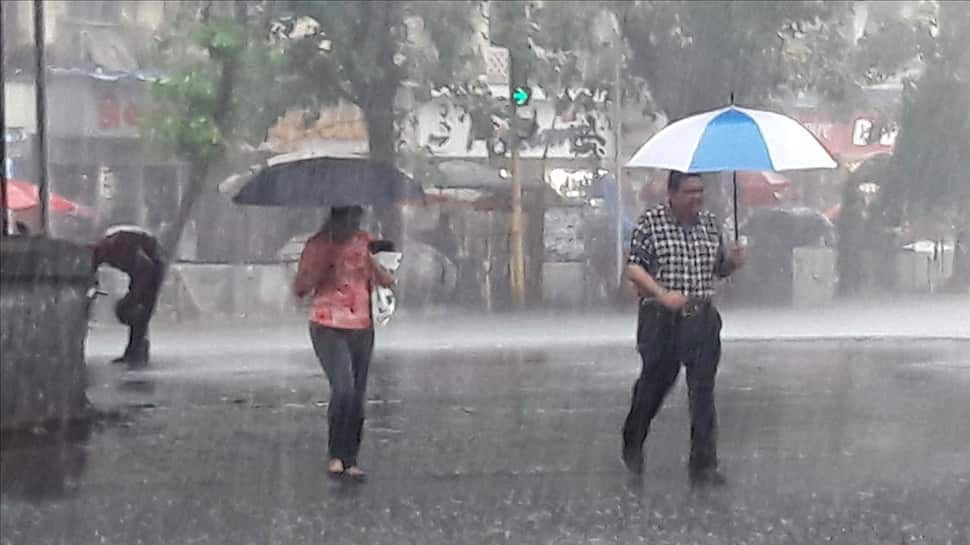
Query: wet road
point(850, 442)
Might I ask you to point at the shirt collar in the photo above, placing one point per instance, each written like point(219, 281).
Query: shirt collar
point(669, 214)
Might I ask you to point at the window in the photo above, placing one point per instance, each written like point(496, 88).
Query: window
point(96, 10)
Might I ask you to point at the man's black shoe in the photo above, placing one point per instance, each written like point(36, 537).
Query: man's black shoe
point(706, 477)
point(633, 459)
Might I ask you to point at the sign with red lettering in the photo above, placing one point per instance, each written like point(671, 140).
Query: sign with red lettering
point(114, 114)
point(866, 135)
point(109, 115)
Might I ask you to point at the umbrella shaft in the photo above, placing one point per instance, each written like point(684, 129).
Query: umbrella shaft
point(737, 229)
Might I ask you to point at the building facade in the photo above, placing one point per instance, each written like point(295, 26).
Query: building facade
point(97, 88)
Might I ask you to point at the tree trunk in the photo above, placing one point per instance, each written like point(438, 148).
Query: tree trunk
point(381, 140)
point(171, 236)
point(200, 169)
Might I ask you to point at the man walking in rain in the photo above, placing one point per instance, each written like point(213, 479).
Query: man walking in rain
point(676, 255)
point(138, 254)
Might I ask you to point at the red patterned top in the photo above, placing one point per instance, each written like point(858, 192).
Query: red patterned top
point(339, 276)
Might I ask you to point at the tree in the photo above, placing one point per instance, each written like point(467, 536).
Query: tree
point(933, 147)
point(695, 55)
point(930, 181)
point(363, 52)
point(226, 95)
point(681, 57)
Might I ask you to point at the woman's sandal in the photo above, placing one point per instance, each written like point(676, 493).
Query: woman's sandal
point(356, 474)
point(335, 469)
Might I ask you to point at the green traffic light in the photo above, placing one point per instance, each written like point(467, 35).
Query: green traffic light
point(521, 96)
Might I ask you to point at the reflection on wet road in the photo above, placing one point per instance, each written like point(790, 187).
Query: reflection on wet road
point(824, 442)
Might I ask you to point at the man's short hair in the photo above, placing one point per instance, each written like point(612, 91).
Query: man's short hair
point(676, 178)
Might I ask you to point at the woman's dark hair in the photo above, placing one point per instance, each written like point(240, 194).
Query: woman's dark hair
point(339, 212)
point(344, 221)
point(677, 177)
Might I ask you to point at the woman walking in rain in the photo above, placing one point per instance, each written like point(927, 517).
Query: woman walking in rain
point(337, 270)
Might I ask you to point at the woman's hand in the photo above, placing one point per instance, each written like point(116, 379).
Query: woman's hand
point(383, 277)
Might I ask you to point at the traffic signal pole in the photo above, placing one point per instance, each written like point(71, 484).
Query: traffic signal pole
point(517, 262)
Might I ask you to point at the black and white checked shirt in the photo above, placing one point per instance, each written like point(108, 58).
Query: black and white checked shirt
point(683, 258)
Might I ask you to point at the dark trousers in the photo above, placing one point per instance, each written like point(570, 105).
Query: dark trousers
point(345, 356)
point(666, 340)
point(135, 310)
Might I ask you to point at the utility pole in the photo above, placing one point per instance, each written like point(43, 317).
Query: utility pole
point(3, 137)
point(40, 97)
point(617, 158)
point(517, 263)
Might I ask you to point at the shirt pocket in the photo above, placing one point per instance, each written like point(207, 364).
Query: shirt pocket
point(707, 246)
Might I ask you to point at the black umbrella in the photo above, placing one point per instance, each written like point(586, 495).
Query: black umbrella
point(327, 181)
point(460, 174)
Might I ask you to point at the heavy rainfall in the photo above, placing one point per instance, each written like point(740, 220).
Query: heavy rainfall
point(384, 272)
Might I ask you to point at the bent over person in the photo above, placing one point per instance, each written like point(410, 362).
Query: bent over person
point(138, 254)
point(676, 255)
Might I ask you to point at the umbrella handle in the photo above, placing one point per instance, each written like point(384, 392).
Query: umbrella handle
point(737, 229)
point(734, 180)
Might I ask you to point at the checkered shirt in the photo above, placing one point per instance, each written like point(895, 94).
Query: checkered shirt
point(683, 258)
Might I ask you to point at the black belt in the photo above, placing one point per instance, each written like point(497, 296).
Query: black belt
point(693, 307)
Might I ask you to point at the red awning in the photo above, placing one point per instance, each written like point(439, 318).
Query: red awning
point(22, 195)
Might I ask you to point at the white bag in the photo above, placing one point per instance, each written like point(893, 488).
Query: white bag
point(382, 300)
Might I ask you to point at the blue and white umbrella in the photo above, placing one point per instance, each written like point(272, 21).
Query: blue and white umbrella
point(732, 139)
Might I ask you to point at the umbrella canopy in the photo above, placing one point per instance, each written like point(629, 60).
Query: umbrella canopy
point(114, 229)
point(733, 138)
point(299, 180)
point(22, 195)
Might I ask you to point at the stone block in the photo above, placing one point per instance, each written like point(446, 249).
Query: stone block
point(43, 323)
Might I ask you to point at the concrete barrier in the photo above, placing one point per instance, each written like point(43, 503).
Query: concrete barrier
point(199, 290)
point(923, 271)
point(43, 312)
point(813, 276)
point(564, 284)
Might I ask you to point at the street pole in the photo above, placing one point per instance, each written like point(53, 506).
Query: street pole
point(518, 244)
point(517, 265)
point(40, 97)
point(618, 166)
point(3, 137)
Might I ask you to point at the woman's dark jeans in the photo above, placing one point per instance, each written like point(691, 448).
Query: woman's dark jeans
point(345, 356)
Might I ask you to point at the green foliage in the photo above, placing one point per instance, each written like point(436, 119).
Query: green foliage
point(229, 94)
point(363, 51)
point(932, 155)
point(696, 54)
point(183, 120)
point(449, 29)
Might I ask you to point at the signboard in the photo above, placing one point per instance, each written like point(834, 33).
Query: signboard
point(116, 113)
point(84, 107)
point(866, 135)
point(447, 130)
